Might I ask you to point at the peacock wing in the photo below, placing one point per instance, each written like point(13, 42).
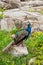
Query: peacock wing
point(21, 35)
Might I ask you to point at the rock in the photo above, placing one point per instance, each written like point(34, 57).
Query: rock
point(18, 18)
point(32, 60)
point(24, 4)
point(35, 27)
point(23, 17)
point(35, 16)
point(13, 3)
point(1, 4)
point(7, 24)
point(3, 24)
point(36, 3)
point(19, 51)
point(25, 8)
point(17, 3)
point(32, 3)
point(16, 50)
point(41, 27)
point(5, 5)
point(9, 1)
point(15, 14)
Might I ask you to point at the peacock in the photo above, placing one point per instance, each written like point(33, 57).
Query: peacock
point(19, 37)
point(22, 34)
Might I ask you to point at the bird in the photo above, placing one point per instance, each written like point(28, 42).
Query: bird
point(22, 34)
point(19, 37)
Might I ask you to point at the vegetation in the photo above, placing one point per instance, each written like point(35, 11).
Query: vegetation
point(34, 45)
point(35, 10)
point(2, 9)
point(1, 14)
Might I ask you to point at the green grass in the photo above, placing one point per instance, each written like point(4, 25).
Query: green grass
point(2, 10)
point(34, 45)
point(1, 16)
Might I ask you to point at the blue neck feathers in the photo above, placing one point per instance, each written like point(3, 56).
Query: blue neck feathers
point(28, 29)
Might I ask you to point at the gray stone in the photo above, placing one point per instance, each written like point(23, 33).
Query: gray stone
point(7, 24)
point(15, 14)
point(13, 3)
point(19, 51)
point(18, 17)
point(5, 5)
point(32, 60)
point(36, 3)
point(3, 24)
point(16, 50)
point(41, 27)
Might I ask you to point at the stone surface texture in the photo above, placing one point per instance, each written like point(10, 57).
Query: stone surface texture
point(19, 51)
point(17, 17)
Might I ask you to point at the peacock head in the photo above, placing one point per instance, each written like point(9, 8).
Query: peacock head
point(28, 24)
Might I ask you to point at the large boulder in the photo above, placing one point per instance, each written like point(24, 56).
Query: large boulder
point(13, 3)
point(16, 50)
point(5, 5)
point(32, 3)
point(7, 24)
point(19, 51)
point(15, 14)
point(18, 16)
point(36, 3)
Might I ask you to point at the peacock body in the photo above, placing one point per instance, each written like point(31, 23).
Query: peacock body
point(22, 34)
